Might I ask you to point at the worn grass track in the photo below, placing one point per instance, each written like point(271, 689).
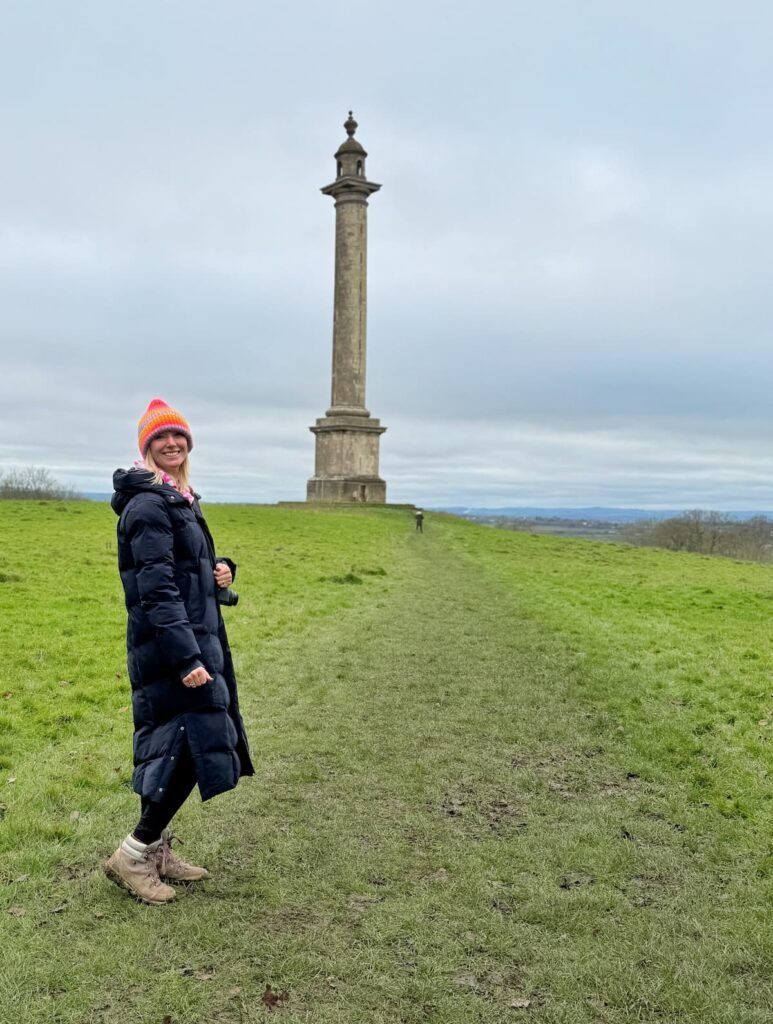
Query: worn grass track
point(482, 795)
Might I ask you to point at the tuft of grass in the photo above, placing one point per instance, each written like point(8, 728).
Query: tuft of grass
point(348, 577)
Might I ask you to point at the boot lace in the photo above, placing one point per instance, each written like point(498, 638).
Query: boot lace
point(151, 861)
point(166, 857)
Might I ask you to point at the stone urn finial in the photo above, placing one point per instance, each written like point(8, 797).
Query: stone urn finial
point(350, 125)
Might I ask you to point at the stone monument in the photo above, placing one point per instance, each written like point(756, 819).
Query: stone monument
point(347, 436)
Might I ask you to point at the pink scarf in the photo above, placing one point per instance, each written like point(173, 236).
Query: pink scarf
point(187, 494)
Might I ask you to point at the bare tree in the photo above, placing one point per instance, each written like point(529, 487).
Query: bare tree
point(33, 482)
point(707, 533)
point(757, 536)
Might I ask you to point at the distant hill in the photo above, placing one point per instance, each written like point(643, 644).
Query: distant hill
point(599, 514)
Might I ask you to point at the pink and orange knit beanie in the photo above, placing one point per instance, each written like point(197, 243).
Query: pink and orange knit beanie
point(157, 419)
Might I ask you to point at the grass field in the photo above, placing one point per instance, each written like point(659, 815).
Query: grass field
point(500, 777)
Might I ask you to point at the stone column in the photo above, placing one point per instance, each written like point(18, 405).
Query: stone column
point(347, 437)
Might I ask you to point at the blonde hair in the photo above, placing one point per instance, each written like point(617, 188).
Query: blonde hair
point(182, 478)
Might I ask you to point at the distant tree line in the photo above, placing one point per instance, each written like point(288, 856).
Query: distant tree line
point(707, 533)
point(33, 483)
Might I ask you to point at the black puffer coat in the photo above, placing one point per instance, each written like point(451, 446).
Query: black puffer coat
point(166, 559)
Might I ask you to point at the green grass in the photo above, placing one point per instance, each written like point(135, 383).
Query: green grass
point(499, 778)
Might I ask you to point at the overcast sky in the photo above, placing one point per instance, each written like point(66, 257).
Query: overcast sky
point(569, 261)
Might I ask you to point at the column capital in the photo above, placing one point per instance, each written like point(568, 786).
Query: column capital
point(350, 189)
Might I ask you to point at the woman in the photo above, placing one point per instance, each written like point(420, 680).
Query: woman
point(187, 725)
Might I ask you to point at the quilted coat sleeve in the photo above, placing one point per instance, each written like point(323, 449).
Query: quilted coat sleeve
point(149, 532)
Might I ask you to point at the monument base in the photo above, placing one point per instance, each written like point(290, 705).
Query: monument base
point(346, 464)
point(370, 490)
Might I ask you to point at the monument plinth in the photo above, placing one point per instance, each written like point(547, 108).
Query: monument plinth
point(347, 436)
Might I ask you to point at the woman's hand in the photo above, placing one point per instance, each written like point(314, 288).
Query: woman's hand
point(198, 677)
point(223, 575)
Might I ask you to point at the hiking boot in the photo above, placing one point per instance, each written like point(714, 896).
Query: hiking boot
point(174, 868)
point(133, 866)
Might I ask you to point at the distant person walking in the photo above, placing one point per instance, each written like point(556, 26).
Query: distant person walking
point(187, 725)
point(419, 520)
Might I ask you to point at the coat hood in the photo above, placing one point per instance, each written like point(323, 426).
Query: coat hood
point(128, 482)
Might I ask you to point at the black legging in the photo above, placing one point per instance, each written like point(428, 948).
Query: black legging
point(156, 814)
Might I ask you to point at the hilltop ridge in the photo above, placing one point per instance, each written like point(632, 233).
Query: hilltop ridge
point(487, 762)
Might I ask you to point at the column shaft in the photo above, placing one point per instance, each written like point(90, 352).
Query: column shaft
point(350, 305)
